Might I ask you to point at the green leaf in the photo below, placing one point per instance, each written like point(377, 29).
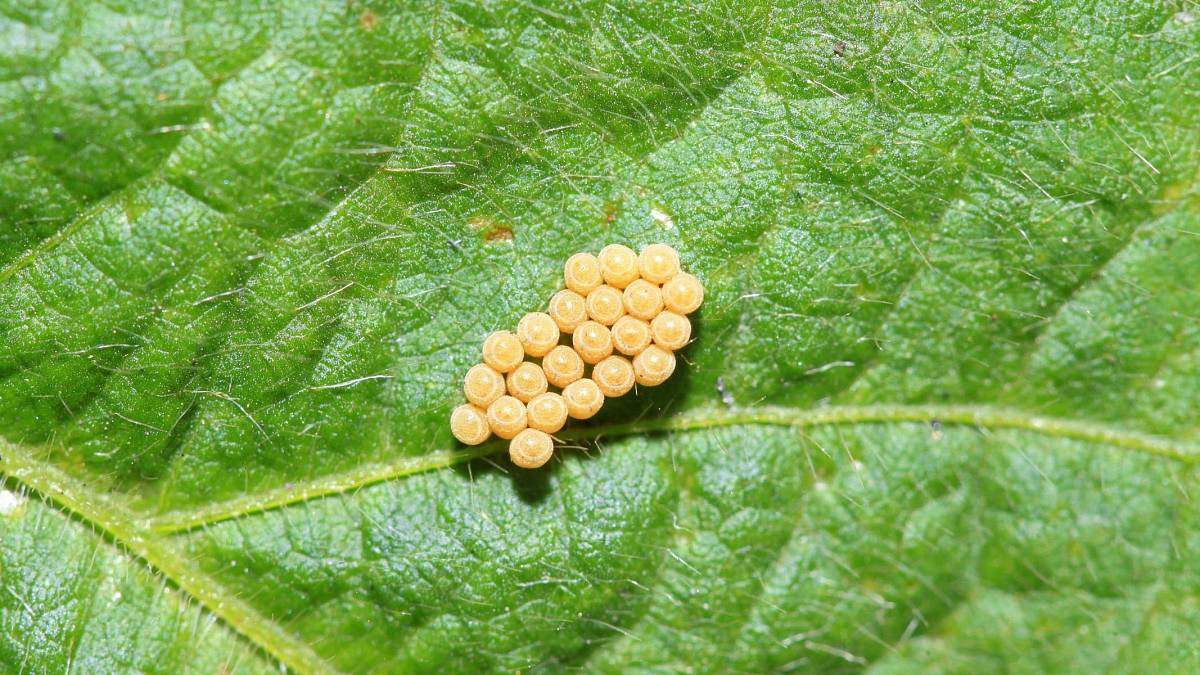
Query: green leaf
point(939, 414)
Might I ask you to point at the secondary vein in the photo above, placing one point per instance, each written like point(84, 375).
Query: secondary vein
point(118, 527)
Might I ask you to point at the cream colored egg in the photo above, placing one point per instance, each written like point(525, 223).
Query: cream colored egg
point(469, 424)
point(618, 265)
point(657, 263)
point(653, 366)
point(503, 351)
point(531, 448)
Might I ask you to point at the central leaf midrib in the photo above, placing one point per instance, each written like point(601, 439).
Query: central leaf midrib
point(148, 539)
point(982, 417)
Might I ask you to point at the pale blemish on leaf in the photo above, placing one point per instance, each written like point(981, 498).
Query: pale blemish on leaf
point(11, 503)
point(663, 218)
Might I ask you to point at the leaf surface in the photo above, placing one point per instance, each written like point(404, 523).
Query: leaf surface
point(939, 413)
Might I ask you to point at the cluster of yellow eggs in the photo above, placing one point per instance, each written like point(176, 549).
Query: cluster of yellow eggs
point(619, 301)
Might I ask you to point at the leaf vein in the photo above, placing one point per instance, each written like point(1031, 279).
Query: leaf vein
point(113, 524)
point(984, 418)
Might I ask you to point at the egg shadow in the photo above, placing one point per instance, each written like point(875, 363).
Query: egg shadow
point(652, 402)
point(641, 404)
point(645, 402)
point(534, 486)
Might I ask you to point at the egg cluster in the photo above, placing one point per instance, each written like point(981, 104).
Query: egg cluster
point(625, 315)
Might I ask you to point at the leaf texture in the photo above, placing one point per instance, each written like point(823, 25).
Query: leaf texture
point(939, 414)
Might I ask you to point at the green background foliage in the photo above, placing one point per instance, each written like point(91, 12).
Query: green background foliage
point(939, 415)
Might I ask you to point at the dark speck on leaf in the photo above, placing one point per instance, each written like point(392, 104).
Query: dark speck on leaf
point(839, 48)
point(610, 213)
point(59, 135)
point(936, 426)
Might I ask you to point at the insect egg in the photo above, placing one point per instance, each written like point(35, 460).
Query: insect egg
point(658, 263)
point(671, 331)
point(503, 351)
point(630, 336)
point(605, 305)
point(583, 398)
point(482, 385)
point(618, 265)
point(506, 417)
point(643, 300)
point(582, 273)
point(592, 341)
point(469, 424)
point(568, 309)
point(614, 376)
point(538, 333)
point(526, 381)
point(683, 293)
point(547, 412)
point(652, 367)
point(562, 366)
point(613, 302)
point(531, 448)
